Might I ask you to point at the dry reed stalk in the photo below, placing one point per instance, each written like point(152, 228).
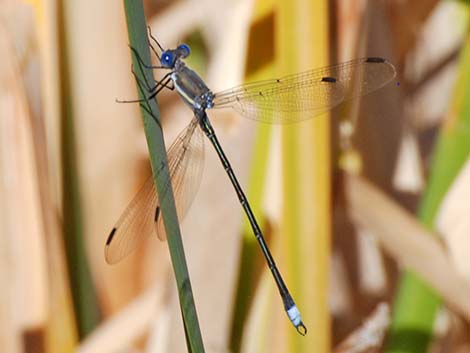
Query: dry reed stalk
point(408, 242)
point(124, 328)
point(302, 42)
point(26, 281)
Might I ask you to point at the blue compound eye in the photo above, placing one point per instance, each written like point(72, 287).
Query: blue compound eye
point(167, 59)
point(183, 50)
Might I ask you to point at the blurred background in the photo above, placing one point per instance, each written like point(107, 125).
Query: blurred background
point(367, 204)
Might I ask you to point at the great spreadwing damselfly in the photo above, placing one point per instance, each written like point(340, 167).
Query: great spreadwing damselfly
point(287, 99)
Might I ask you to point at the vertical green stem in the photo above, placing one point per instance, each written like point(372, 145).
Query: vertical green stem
point(139, 41)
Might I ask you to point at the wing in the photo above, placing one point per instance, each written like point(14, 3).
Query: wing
point(185, 163)
point(302, 96)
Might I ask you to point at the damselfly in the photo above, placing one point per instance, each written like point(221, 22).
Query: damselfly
point(284, 100)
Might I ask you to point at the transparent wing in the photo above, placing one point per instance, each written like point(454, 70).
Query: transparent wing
point(302, 96)
point(185, 163)
point(134, 225)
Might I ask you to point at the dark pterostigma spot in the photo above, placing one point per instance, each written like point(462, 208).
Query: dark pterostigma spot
point(375, 60)
point(328, 79)
point(111, 236)
point(157, 213)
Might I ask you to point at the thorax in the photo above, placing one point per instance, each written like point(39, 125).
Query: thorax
point(191, 87)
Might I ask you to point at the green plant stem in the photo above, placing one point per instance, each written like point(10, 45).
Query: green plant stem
point(138, 40)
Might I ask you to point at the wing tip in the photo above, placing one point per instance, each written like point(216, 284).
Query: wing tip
point(378, 60)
